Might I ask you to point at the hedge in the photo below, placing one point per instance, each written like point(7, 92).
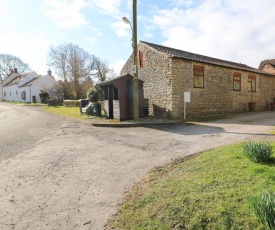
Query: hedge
point(71, 103)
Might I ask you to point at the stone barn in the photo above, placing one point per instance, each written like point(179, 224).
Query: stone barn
point(216, 86)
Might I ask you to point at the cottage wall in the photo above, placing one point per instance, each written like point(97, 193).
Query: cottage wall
point(1, 92)
point(13, 93)
point(157, 85)
point(217, 96)
point(43, 83)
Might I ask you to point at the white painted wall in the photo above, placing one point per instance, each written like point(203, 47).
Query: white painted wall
point(13, 92)
point(1, 91)
point(8, 79)
point(43, 83)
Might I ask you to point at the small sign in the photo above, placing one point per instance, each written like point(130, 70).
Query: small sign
point(187, 98)
point(134, 68)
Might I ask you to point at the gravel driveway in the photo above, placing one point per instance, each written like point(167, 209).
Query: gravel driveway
point(75, 177)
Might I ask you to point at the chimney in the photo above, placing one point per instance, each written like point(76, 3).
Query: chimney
point(49, 72)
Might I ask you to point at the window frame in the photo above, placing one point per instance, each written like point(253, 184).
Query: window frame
point(250, 80)
point(198, 72)
point(237, 78)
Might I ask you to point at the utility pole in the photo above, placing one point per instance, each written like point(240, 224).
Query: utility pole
point(135, 54)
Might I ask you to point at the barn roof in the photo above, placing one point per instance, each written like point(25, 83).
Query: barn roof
point(176, 53)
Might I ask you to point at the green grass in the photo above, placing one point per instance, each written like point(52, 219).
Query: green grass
point(73, 112)
point(25, 103)
point(208, 191)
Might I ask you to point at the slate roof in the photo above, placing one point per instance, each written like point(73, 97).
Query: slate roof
point(30, 82)
point(16, 80)
point(176, 53)
point(269, 61)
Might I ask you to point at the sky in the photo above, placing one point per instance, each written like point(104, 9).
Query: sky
point(233, 30)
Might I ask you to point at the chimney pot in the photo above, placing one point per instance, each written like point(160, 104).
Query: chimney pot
point(50, 72)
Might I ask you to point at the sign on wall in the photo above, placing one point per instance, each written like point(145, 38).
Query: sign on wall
point(187, 98)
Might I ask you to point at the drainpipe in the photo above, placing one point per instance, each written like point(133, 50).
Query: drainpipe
point(30, 94)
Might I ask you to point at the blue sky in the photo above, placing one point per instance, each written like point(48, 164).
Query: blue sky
point(234, 30)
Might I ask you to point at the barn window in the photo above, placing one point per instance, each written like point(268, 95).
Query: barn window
point(141, 58)
point(4, 93)
point(237, 82)
point(198, 76)
point(251, 83)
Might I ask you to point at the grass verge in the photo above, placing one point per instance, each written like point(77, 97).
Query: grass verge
point(72, 112)
point(25, 103)
point(209, 191)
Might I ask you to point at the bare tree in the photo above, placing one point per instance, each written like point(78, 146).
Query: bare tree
point(75, 66)
point(9, 62)
point(103, 71)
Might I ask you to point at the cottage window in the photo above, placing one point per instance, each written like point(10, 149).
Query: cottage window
point(251, 83)
point(237, 82)
point(23, 95)
point(198, 76)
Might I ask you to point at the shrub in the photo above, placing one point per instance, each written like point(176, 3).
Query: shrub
point(258, 152)
point(43, 96)
point(71, 103)
point(264, 208)
point(94, 94)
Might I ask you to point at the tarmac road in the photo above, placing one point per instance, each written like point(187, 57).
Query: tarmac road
point(60, 174)
point(21, 127)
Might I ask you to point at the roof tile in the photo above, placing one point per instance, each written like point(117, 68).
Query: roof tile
point(176, 53)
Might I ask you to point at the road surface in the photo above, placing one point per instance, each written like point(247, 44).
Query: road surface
point(57, 173)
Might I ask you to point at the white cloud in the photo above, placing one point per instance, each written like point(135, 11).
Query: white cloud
point(118, 65)
point(96, 31)
point(65, 13)
point(26, 49)
point(107, 6)
point(122, 29)
point(179, 3)
point(92, 40)
point(229, 29)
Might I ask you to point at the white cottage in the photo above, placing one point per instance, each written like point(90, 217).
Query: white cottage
point(11, 77)
point(26, 88)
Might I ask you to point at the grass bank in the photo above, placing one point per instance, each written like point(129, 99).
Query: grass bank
point(208, 191)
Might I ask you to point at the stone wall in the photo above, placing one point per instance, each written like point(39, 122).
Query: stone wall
point(116, 109)
point(157, 85)
point(106, 108)
point(217, 96)
point(166, 79)
point(268, 68)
